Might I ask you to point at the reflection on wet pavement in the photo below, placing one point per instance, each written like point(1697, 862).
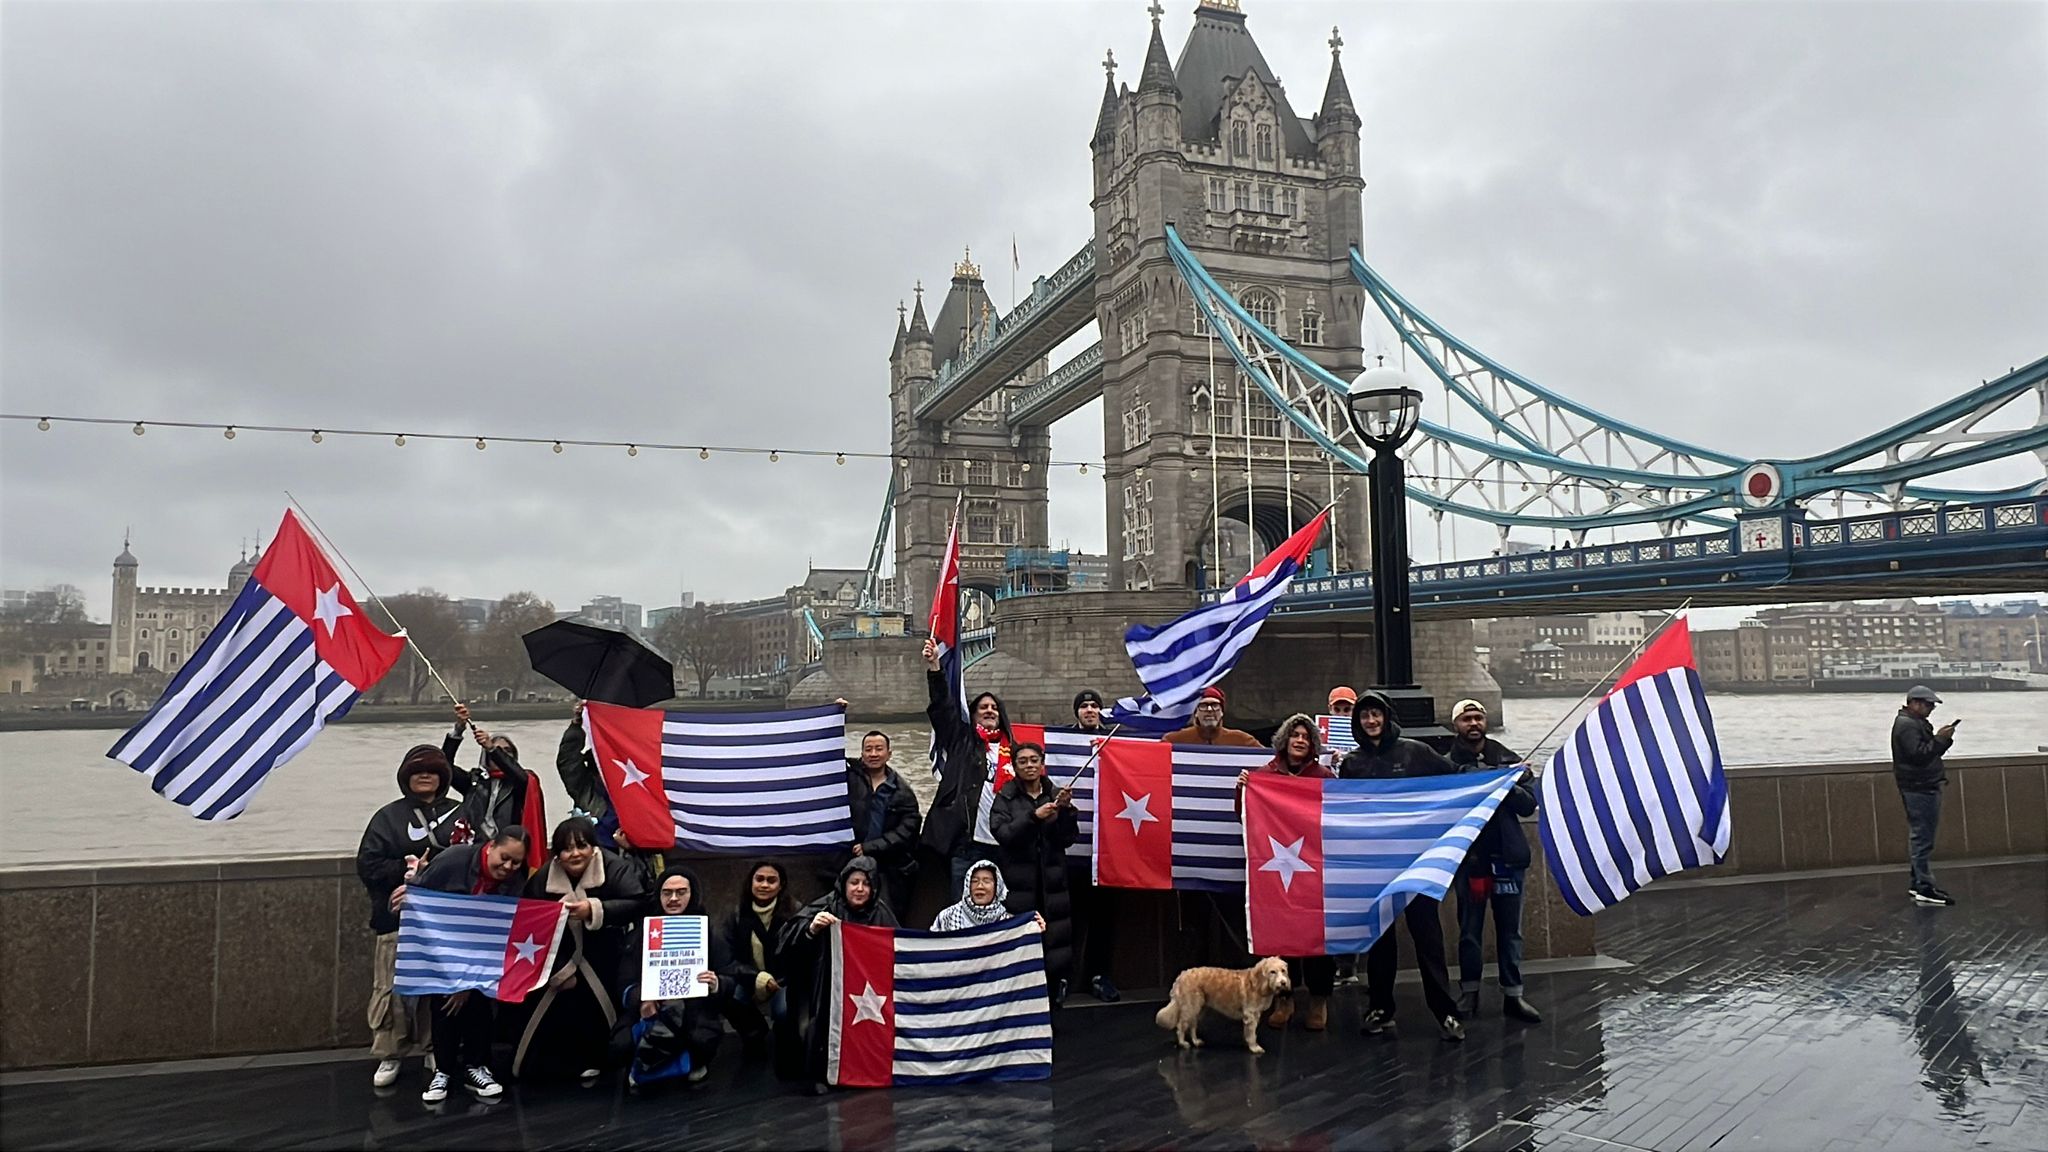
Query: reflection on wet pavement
point(1811, 1014)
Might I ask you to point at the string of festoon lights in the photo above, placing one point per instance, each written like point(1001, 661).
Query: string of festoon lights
point(704, 451)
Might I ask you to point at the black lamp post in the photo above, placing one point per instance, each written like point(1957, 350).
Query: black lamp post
point(1384, 407)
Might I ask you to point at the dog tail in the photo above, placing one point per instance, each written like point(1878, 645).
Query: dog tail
point(1169, 1016)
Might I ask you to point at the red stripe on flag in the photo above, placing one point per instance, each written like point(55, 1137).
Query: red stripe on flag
point(867, 1006)
point(529, 949)
point(1283, 847)
point(627, 745)
point(1134, 815)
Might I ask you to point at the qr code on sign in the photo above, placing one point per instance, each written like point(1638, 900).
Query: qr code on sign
point(674, 983)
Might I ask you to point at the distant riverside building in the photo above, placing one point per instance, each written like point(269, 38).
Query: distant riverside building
point(155, 629)
point(611, 612)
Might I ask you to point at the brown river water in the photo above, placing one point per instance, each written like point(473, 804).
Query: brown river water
point(63, 801)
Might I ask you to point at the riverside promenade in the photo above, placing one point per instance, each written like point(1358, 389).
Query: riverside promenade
point(1819, 1012)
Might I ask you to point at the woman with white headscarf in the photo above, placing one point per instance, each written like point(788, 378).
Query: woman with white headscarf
point(981, 901)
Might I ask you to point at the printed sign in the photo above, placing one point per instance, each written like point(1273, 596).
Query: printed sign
point(1337, 740)
point(678, 949)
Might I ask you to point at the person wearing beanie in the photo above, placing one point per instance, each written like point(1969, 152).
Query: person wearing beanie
point(1491, 876)
point(1097, 905)
point(1208, 725)
point(400, 836)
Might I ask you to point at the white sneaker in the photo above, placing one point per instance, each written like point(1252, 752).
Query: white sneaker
point(437, 1089)
point(481, 1082)
point(386, 1074)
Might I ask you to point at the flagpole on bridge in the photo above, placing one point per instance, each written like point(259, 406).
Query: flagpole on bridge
point(410, 644)
point(1535, 762)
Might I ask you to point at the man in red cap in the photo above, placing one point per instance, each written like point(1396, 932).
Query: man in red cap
point(1208, 726)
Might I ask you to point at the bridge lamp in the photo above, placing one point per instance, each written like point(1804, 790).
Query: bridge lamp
point(1384, 408)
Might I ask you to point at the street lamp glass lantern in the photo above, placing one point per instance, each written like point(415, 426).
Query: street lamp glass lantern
point(1384, 407)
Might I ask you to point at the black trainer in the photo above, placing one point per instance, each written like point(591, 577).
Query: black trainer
point(1377, 1022)
point(1941, 896)
point(1520, 1009)
point(1468, 1004)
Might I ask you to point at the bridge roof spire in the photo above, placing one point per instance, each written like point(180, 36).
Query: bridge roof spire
point(920, 328)
point(1337, 94)
point(1158, 73)
point(1105, 120)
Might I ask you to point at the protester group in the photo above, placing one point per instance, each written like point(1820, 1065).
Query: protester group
point(1006, 854)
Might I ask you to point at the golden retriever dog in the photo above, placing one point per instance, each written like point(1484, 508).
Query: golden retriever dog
point(1245, 993)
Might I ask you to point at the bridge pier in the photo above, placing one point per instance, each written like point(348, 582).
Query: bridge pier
point(875, 675)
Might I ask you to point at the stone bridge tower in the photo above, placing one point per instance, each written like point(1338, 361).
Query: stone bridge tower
point(999, 470)
point(1270, 202)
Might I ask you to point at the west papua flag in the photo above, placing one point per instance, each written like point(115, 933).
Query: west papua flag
point(1164, 815)
point(293, 652)
point(503, 946)
point(1329, 864)
point(921, 1007)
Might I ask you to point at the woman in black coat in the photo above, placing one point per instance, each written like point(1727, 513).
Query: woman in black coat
point(749, 935)
point(801, 954)
point(570, 1025)
point(1035, 823)
point(691, 1025)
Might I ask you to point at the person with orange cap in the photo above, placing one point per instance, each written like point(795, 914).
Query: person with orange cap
point(1208, 725)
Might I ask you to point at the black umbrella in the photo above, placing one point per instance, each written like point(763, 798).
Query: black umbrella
point(600, 664)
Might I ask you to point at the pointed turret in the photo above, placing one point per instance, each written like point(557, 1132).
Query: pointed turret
point(896, 349)
point(1105, 120)
point(920, 328)
point(917, 341)
point(1337, 106)
point(1158, 73)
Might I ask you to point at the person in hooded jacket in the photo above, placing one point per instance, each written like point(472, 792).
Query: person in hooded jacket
point(401, 835)
point(1035, 823)
point(569, 1025)
point(654, 1035)
point(498, 793)
point(972, 753)
point(1383, 753)
point(1298, 752)
point(760, 1002)
point(801, 954)
point(1491, 875)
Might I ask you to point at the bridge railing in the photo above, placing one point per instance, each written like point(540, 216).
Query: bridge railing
point(1086, 363)
point(985, 342)
point(1948, 528)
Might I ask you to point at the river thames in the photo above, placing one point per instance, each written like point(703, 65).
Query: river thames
point(66, 803)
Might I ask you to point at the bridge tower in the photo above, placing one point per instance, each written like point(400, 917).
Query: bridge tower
point(999, 470)
point(1196, 456)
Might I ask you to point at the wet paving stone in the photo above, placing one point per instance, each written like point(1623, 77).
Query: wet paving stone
point(1815, 1014)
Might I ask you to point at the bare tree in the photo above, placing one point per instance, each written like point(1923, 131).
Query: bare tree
point(500, 645)
point(709, 642)
point(434, 625)
point(46, 619)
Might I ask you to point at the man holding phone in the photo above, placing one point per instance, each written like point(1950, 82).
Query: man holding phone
point(1917, 749)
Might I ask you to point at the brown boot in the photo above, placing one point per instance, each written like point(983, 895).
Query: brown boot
point(1283, 1011)
point(1318, 1013)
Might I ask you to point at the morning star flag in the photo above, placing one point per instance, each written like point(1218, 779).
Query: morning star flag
point(291, 653)
point(1177, 660)
point(1331, 863)
point(739, 782)
point(913, 1007)
point(1157, 815)
point(1637, 792)
point(500, 945)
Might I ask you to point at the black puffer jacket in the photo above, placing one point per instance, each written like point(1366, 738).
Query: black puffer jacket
point(1392, 755)
point(1033, 856)
point(1502, 841)
point(408, 826)
point(1917, 754)
point(949, 827)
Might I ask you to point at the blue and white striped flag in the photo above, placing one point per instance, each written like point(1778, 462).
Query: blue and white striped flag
point(1331, 863)
point(912, 1007)
point(1177, 660)
point(741, 782)
point(1638, 791)
point(293, 652)
point(502, 946)
point(1208, 842)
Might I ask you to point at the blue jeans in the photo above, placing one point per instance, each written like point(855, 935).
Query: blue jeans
point(1923, 816)
point(1507, 932)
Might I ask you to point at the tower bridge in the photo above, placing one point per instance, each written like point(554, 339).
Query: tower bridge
point(1225, 279)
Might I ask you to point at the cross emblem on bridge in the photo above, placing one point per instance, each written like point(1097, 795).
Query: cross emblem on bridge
point(1109, 62)
point(1156, 12)
point(1336, 40)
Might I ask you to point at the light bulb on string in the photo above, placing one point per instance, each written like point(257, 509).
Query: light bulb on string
point(1084, 469)
point(316, 435)
point(399, 439)
point(703, 453)
point(138, 428)
point(775, 457)
point(841, 459)
point(1027, 466)
point(558, 447)
point(228, 432)
point(43, 425)
point(479, 443)
point(632, 449)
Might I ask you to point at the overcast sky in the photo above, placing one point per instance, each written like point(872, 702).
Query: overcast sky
point(1768, 227)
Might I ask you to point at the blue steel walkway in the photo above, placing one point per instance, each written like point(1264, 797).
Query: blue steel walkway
point(1810, 1014)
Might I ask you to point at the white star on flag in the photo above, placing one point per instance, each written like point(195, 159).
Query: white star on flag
point(868, 1005)
point(527, 949)
point(1286, 861)
point(633, 773)
point(329, 608)
point(1137, 811)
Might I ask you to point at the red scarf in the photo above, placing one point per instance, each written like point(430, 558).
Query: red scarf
point(999, 772)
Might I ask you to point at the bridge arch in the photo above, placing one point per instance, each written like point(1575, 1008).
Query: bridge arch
point(1246, 534)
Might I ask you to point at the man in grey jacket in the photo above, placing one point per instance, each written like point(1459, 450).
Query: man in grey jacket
point(1917, 749)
